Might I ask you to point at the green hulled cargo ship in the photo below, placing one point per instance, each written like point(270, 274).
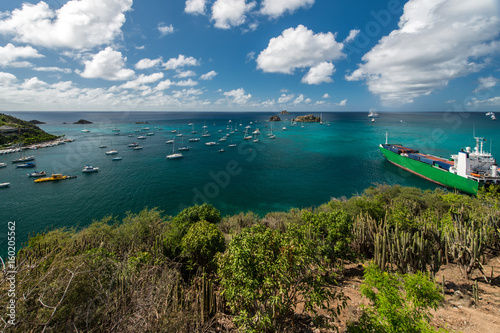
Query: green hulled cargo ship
point(465, 171)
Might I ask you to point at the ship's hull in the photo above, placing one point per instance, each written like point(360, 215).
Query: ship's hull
point(432, 173)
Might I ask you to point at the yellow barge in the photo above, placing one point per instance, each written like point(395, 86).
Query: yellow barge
point(55, 176)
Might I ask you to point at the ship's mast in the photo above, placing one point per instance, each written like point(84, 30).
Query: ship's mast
point(386, 138)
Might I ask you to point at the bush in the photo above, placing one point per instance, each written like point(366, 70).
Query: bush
point(265, 274)
point(183, 221)
point(200, 244)
point(400, 303)
point(332, 233)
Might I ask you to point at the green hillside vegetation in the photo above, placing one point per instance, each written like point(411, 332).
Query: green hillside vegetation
point(200, 272)
point(26, 134)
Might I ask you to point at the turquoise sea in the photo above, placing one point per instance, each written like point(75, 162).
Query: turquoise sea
point(303, 167)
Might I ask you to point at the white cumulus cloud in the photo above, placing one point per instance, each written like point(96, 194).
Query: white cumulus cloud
point(486, 83)
point(108, 65)
point(230, 13)
point(320, 73)
point(10, 53)
point(163, 85)
point(208, 76)
point(77, 24)
point(342, 102)
point(187, 83)
point(7, 78)
point(276, 8)
point(352, 35)
point(298, 48)
point(437, 41)
point(140, 82)
point(33, 83)
point(165, 29)
point(184, 74)
point(284, 98)
point(52, 69)
point(181, 61)
point(195, 7)
point(237, 96)
point(147, 63)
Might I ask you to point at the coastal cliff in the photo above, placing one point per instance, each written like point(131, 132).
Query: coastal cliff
point(16, 131)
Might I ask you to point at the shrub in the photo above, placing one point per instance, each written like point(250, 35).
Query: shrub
point(332, 233)
point(183, 221)
point(200, 244)
point(400, 303)
point(265, 274)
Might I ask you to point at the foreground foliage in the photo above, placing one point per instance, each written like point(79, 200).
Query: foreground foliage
point(200, 272)
point(400, 303)
point(266, 274)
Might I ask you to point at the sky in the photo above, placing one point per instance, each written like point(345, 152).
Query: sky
point(250, 55)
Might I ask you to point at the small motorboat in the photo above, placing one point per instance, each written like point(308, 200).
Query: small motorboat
point(85, 130)
point(210, 143)
point(183, 148)
point(138, 148)
point(103, 146)
point(194, 140)
point(221, 150)
point(142, 137)
point(3, 165)
point(2, 185)
point(169, 142)
point(232, 145)
point(89, 168)
point(118, 158)
point(133, 145)
point(37, 174)
point(112, 152)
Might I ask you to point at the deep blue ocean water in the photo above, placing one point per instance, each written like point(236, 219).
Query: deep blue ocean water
point(303, 167)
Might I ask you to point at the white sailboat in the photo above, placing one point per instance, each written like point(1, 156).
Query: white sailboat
point(245, 135)
point(174, 155)
point(373, 113)
point(205, 133)
point(272, 136)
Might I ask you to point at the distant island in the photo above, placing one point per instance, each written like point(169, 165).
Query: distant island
point(36, 122)
point(16, 131)
point(284, 112)
point(82, 122)
point(310, 118)
point(275, 118)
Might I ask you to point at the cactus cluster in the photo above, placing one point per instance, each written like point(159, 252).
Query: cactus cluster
point(408, 251)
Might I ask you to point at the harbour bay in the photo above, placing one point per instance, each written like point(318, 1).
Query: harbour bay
point(303, 167)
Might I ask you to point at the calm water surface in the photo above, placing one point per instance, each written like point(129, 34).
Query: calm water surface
point(302, 167)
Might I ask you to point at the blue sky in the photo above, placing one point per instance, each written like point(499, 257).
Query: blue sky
point(241, 55)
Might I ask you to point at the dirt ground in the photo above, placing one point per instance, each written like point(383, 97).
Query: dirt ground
point(459, 312)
